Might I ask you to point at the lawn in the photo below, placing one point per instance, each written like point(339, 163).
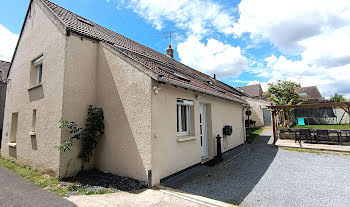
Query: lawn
point(253, 133)
point(339, 126)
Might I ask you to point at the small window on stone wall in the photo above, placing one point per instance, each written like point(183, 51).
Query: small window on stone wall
point(13, 132)
point(36, 72)
point(33, 120)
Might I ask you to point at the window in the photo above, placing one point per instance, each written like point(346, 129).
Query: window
point(13, 132)
point(39, 73)
point(37, 65)
point(33, 120)
point(183, 117)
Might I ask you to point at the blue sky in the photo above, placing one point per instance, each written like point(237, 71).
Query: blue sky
point(242, 42)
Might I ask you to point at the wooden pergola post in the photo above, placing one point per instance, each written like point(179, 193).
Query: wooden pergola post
point(274, 127)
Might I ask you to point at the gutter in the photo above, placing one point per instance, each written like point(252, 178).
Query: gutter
point(166, 80)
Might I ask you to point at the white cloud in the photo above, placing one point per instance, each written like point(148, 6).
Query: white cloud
point(8, 41)
point(215, 57)
point(328, 80)
point(316, 30)
point(196, 16)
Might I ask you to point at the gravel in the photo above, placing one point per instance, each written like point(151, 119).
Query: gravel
point(265, 175)
point(96, 181)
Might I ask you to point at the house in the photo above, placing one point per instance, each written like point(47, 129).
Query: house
point(260, 115)
point(4, 68)
point(161, 116)
point(254, 91)
point(309, 94)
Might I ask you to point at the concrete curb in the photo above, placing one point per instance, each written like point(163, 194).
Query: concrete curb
point(193, 198)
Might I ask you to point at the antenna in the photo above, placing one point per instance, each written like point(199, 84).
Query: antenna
point(170, 34)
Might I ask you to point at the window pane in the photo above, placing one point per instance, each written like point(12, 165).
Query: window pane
point(39, 69)
point(184, 118)
point(177, 117)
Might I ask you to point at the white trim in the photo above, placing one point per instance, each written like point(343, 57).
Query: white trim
point(38, 61)
point(184, 102)
point(32, 133)
point(179, 115)
point(203, 123)
point(12, 144)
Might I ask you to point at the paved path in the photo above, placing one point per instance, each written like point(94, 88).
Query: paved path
point(265, 175)
point(18, 191)
point(146, 198)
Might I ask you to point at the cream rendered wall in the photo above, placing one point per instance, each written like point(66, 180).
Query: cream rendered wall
point(78, 93)
point(39, 36)
point(124, 93)
point(256, 107)
point(170, 155)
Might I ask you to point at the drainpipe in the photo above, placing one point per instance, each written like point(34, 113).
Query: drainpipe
point(244, 108)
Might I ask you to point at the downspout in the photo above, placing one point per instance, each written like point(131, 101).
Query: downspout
point(244, 108)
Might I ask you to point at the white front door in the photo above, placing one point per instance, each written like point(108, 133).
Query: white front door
point(203, 130)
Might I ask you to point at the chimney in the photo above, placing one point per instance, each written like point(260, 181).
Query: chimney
point(170, 52)
point(215, 76)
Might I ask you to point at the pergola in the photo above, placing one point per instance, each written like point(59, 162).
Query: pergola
point(276, 109)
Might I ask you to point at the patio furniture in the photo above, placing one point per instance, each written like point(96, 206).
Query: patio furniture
point(343, 134)
point(282, 133)
point(304, 134)
point(322, 134)
point(301, 122)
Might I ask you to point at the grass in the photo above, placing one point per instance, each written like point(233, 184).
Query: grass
point(51, 184)
point(339, 126)
point(315, 151)
point(253, 133)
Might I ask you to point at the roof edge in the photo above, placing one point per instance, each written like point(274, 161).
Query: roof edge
point(23, 26)
point(166, 80)
point(129, 60)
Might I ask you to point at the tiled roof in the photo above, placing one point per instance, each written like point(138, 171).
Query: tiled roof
point(252, 90)
point(310, 92)
point(159, 63)
point(4, 69)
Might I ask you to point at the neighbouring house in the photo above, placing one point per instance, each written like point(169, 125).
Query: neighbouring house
point(4, 68)
point(309, 94)
point(329, 115)
point(161, 116)
point(254, 91)
point(260, 115)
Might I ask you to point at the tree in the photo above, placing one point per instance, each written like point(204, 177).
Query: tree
point(283, 93)
point(337, 98)
point(284, 90)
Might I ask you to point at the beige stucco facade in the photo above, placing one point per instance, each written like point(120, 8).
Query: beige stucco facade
point(257, 107)
point(172, 153)
point(39, 35)
point(140, 125)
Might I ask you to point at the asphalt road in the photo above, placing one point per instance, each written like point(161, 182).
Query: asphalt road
point(18, 191)
point(265, 176)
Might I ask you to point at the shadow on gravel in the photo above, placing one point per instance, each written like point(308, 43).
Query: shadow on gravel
point(234, 179)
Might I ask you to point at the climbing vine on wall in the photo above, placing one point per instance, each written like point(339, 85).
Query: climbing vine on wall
point(94, 128)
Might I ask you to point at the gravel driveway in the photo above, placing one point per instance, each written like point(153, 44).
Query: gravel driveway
point(268, 176)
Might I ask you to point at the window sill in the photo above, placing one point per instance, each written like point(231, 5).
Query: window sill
point(11, 144)
point(185, 138)
point(32, 133)
point(35, 86)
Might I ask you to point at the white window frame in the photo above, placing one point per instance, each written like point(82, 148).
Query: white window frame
point(38, 67)
point(187, 104)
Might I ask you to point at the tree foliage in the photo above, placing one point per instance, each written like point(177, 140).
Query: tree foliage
point(283, 93)
point(94, 128)
point(337, 98)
